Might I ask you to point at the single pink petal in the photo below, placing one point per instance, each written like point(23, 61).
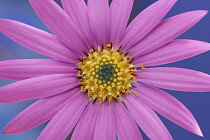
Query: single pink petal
point(29, 68)
point(78, 12)
point(86, 125)
point(125, 124)
point(147, 120)
point(168, 106)
point(60, 24)
point(105, 128)
point(119, 14)
point(175, 79)
point(38, 87)
point(39, 112)
point(36, 40)
point(64, 121)
point(166, 31)
point(173, 51)
point(146, 21)
point(98, 12)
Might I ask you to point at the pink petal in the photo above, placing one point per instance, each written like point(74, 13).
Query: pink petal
point(125, 124)
point(65, 120)
point(105, 128)
point(166, 31)
point(60, 24)
point(175, 79)
point(146, 21)
point(38, 87)
point(173, 51)
point(168, 106)
point(29, 68)
point(147, 119)
point(78, 12)
point(86, 125)
point(119, 14)
point(98, 12)
point(36, 114)
point(36, 40)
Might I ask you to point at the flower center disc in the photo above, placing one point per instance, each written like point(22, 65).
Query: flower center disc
point(106, 74)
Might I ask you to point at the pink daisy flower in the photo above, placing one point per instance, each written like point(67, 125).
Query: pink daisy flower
point(98, 80)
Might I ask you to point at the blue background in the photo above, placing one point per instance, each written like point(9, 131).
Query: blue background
point(197, 103)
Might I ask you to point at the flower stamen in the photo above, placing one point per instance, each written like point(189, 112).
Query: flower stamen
point(106, 74)
point(142, 66)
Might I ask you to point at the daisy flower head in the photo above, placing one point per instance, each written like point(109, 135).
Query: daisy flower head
point(100, 82)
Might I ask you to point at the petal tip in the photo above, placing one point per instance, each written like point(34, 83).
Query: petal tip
point(199, 133)
point(197, 130)
point(202, 13)
point(197, 13)
point(5, 131)
point(8, 130)
point(205, 12)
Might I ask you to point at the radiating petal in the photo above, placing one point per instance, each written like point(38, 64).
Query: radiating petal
point(105, 128)
point(38, 87)
point(125, 124)
point(29, 68)
point(168, 106)
point(60, 24)
point(98, 12)
point(146, 118)
point(36, 40)
point(119, 14)
point(166, 31)
point(173, 51)
point(146, 21)
point(78, 12)
point(39, 112)
point(86, 125)
point(64, 121)
point(175, 79)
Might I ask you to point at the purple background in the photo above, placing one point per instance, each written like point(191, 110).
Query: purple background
point(197, 103)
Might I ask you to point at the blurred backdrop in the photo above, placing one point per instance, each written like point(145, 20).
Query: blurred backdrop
point(197, 103)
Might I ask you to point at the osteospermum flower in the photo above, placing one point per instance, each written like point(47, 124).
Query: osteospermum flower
point(98, 81)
